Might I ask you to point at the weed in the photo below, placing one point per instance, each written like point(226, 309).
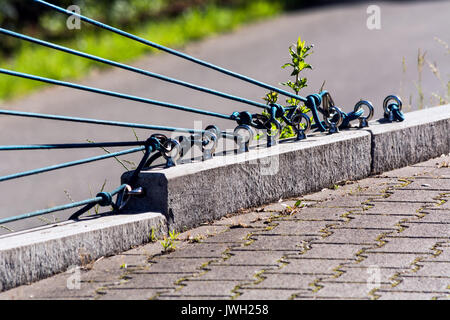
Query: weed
point(197, 239)
point(422, 61)
point(152, 236)
point(298, 53)
point(169, 243)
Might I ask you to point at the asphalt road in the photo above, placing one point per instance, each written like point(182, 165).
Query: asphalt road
point(354, 61)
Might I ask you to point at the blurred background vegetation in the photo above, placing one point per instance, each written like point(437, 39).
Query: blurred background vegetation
point(168, 22)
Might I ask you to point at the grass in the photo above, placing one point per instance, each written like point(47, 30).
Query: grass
point(440, 97)
point(193, 25)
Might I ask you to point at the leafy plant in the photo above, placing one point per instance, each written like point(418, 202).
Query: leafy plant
point(298, 54)
point(152, 237)
point(169, 243)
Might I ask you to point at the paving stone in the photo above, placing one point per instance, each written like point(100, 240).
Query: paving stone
point(373, 221)
point(251, 257)
point(234, 235)
point(429, 184)
point(280, 206)
point(173, 296)
point(333, 251)
point(347, 202)
point(443, 206)
point(406, 295)
point(302, 296)
point(246, 218)
point(390, 260)
point(282, 281)
point(267, 294)
point(306, 266)
point(207, 288)
point(320, 213)
point(203, 231)
point(363, 275)
point(435, 230)
point(356, 192)
point(177, 265)
point(405, 245)
point(127, 294)
point(431, 268)
point(299, 227)
point(145, 280)
point(444, 253)
point(200, 250)
point(52, 288)
point(271, 242)
point(129, 258)
point(405, 195)
point(425, 284)
point(406, 172)
point(437, 216)
point(372, 186)
point(237, 273)
point(343, 236)
point(347, 290)
point(102, 275)
point(386, 207)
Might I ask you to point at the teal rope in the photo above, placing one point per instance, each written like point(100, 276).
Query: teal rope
point(113, 94)
point(69, 164)
point(130, 68)
point(88, 202)
point(173, 52)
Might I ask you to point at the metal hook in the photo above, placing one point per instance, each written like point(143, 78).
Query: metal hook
point(209, 143)
point(172, 151)
point(333, 125)
point(296, 121)
point(388, 99)
point(125, 195)
point(243, 134)
point(364, 121)
point(389, 110)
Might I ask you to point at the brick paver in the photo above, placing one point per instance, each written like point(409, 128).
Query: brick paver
point(384, 237)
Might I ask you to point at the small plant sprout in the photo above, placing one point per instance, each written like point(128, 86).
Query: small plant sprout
point(298, 53)
point(169, 243)
point(291, 210)
point(152, 237)
point(197, 239)
point(174, 235)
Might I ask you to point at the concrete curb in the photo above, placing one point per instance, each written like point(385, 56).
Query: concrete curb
point(39, 253)
point(194, 193)
point(204, 191)
point(422, 136)
point(187, 195)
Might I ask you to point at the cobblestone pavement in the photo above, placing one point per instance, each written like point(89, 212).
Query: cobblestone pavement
point(384, 237)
